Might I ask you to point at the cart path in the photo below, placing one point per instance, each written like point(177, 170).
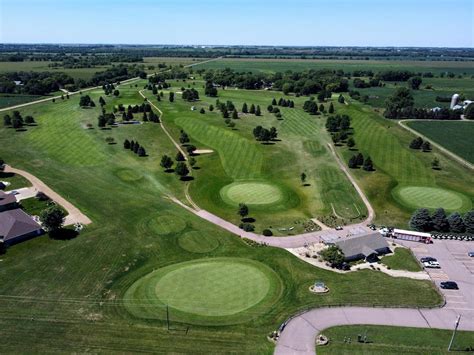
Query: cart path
point(74, 214)
point(299, 335)
point(447, 152)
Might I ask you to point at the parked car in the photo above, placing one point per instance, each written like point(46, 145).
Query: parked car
point(431, 265)
point(427, 258)
point(471, 254)
point(339, 228)
point(449, 285)
point(14, 192)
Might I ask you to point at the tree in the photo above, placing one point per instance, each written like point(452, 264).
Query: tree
point(273, 133)
point(469, 221)
point(180, 157)
point(331, 108)
point(426, 146)
point(181, 169)
point(333, 255)
point(435, 165)
point(321, 108)
point(439, 220)
point(456, 223)
point(252, 109)
point(136, 147)
point(368, 165)
point(132, 145)
point(202, 111)
point(270, 108)
point(192, 161)
point(245, 108)
point(126, 144)
point(359, 159)
point(141, 152)
point(414, 82)
point(190, 149)
point(171, 98)
point(286, 88)
point(52, 218)
point(257, 111)
point(469, 112)
point(350, 142)
point(116, 93)
point(7, 120)
point(183, 138)
point(352, 162)
point(274, 102)
point(29, 120)
point(166, 162)
point(402, 98)
point(243, 210)
point(303, 178)
point(235, 115)
point(341, 99)
point(416, 143)
point(211, 108)
point(231, 124)
point(421, 220)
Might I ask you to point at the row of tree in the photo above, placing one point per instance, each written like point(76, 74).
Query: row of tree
point(418, 143)
point(134, 147)
point(423, 221)
point(358, 160)
point(265, 135)
point(17, 120)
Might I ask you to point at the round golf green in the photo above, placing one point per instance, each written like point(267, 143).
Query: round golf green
point(432, 197)
point(166, 224)
point(223, 290)
point(252, 193)
point(198, 242)
point(128, 175)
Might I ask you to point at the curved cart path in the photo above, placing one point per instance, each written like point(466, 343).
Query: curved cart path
point(74, 214)
point(438, 146)
point(300, 333)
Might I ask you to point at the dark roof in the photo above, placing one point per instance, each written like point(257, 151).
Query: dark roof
point(362, 244)
point(15, 223)
point(6, 199)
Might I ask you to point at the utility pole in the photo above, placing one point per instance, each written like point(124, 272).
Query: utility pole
point(456, 325)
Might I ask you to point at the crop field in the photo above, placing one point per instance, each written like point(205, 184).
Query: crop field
point(281, 65)
point(454, 136)
point(7, 100)
point(398, 167)
point(394, 340)
point(91, 293)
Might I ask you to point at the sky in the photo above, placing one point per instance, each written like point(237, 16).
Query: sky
point(424, 23)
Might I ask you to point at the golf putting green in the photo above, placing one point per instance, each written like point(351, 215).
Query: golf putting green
point(198, 242)
point(431, 197)
point(207, 291)
point(128, 175)
point(252, 193)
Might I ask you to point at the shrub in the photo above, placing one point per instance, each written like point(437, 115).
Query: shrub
point(267, 233)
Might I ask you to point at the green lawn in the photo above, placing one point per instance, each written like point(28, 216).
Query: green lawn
point(455, 136)
point(401, 259)
point(394, 340)
point(59, 295)
point(16, 181)
point(33, 206)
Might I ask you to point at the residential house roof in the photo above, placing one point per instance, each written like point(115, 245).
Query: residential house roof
point(6, 199)
point(15, 223)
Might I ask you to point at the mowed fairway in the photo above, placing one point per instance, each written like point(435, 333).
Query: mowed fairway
point(205, 291)
point(456, 136)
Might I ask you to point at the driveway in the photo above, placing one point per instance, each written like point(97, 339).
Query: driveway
point(24, 193)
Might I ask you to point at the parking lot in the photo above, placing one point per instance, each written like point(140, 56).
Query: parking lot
point(456, 266)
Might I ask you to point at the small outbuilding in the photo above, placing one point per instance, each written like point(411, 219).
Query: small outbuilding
point(363, 246)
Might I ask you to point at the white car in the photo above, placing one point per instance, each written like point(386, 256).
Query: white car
point(431, 264)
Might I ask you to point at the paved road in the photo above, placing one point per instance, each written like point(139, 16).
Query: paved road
point(300, 334)
point(74, 214)
point(440, 147)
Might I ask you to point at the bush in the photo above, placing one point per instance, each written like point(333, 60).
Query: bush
point(267, 233)
point(248, 227)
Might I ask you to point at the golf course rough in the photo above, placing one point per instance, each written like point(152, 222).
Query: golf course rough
point(210, 291)
point(251, 193)
point(165, 224)
point(432, 197)
point(128, 175)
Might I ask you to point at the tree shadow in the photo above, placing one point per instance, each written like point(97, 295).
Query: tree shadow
point(186, 178)
point(21, 129)
point(307, 184)
point(63, 234)
point(268, 143)
point(248, 220)
point(196, 168)
point(169, 171)
point(6, 175)
point(353, 149)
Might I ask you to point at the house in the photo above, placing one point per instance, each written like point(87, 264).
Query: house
point(16, 226)
point(7, 201)
point(363, 246)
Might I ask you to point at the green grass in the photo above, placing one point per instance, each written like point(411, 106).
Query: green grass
point(33, 206)
point(252, 193)
point(70, 294)
point(432, 197)
point(394, 340)
point(16, 181)
point(7, 100)
point(401, 259)
point(398, 167)
point(206, 291)
point(454, 136)
point(197, 242)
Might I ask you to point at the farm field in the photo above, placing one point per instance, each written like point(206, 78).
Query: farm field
point(454, 136)
point(281, 65)
point(244, 168)
point(397, 167)
point(395, 340)
point(7, 100)
point(83, 293)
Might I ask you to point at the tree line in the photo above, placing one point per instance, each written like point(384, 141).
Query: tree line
point(423, 221)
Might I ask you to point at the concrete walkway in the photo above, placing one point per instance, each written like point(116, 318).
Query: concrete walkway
point(299, 335)
point(74, 214)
